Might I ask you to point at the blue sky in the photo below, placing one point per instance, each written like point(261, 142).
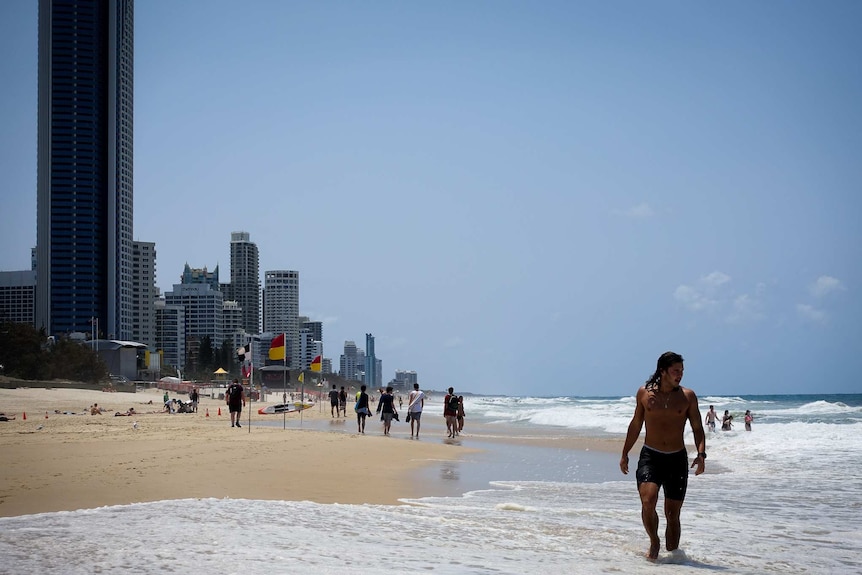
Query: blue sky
point(513, 197)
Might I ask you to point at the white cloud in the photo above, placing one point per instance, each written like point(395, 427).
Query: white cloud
point(715, 279)
point(810, 313)
point(745, 309)
point(454, 341)
point(710, 295)
point(825, 285)
point(693, 299)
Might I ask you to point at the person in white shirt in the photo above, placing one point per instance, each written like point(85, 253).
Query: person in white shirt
point(415, 403)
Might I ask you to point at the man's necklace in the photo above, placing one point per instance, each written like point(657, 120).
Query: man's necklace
point(666, 398)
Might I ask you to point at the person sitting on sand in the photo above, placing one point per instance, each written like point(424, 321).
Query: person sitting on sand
point(96, 410)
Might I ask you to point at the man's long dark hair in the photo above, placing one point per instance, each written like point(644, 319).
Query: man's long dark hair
point(665, 360)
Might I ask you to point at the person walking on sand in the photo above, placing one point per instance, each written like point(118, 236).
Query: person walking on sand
point(460, 416)
point(415, 403)
point(333, 401)
point(450, 412)
point(748, 419)
point(386, 408)
point(342, 401)
point(711, 416)
point(194, 397)
point(664, 406)
point(362, 410)
point(235, 399)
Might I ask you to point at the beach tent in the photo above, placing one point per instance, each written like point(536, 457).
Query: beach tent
point(220, 374)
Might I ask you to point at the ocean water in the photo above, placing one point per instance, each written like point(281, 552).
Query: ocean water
point(785, 498)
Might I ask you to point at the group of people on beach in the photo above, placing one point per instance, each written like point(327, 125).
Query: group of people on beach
point(726, 420)
point(453, 410)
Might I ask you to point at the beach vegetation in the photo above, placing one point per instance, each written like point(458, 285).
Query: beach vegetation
point(209, 358)
point(28, 353)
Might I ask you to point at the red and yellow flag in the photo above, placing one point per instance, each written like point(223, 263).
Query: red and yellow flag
point(315, 364)
point(276, 348)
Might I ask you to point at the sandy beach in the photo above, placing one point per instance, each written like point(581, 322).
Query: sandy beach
point(76, 460)
point(73, 460)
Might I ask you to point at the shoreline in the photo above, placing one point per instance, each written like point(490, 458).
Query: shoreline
point(75, 461)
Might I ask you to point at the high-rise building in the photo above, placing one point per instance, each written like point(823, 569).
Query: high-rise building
point(203, 307)
point(144, 293)
point(231, 321)
point(404, 380)
point(281, 308)
point(316, 328)
point(351, 362)
point(17, 290)
point(85, 162)
point(201, 276)
point(309, 348)
point(245, 279)
point(171, 334)
point(326, 365)
point(373, 378)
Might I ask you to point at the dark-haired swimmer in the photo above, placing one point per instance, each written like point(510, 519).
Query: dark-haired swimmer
point(664, 406)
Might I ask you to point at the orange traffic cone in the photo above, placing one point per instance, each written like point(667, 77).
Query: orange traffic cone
point(25, 416)
point(219, 410)
point(208, 412)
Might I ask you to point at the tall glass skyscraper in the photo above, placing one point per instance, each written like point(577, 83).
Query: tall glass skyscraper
point(245, 279)
point(84, 181)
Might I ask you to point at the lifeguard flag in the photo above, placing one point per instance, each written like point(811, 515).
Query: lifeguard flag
point(244, 353)
point(276, 348)
point(301, 379)
point(315, 364)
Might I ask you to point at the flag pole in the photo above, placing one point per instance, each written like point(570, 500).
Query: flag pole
point(284, 385)
point(250, 383)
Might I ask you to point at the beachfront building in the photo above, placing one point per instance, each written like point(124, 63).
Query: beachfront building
point(171, 334)
point(231, 320)
point(373, 367)
point(404, 380)
point(17, 296)
point(204, 308)
point(316, 327)
point(326, 365)
point(281, 308)
point(144, 293)
point(352, 362)
point(202, 276)
point(309, 348)
point(245, 279)
point(84, 167)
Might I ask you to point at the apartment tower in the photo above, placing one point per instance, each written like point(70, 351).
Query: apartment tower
point(245, 279)
point(281, 308)
point(84, 158)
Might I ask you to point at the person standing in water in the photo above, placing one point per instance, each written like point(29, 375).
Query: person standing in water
point(711, 416)
point(748, 419)
point(664, 406)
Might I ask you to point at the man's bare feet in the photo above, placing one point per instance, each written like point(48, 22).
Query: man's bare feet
point(654, 547)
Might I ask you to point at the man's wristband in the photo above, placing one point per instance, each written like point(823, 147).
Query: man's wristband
point(702, 455)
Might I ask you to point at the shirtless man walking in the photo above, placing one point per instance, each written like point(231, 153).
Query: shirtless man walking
point(664, 406)
point(711, 416)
